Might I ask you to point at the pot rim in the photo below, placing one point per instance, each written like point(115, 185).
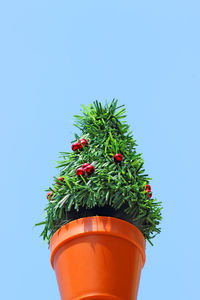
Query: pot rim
point(97, 225)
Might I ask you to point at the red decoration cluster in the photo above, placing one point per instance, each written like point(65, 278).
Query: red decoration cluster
point(86, 168)
point(83, 143)
point(117, 157)
point(148, 190)
point(49, 194)
point(60, 179)
point(79, 145)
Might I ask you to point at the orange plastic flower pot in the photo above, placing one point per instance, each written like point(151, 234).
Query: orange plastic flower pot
point(98, 258)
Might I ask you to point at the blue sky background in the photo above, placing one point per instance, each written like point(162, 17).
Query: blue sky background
point(57, 55)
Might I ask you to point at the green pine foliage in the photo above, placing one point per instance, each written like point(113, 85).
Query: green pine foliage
point(114, 189)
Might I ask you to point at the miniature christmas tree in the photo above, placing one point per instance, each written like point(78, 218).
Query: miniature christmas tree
point(102, 175)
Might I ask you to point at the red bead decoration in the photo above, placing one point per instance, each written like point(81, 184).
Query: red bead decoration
point(79, 145)
point(80, 171)
point(83, 142)
point(90, 169)
point(75, 146)
point(60, 179)
point(148, 188)
point(49, 194)
point(117, 157)
point(150, 195)
point(85, 165)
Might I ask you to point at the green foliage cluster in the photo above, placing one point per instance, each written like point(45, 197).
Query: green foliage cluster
point(120, 186)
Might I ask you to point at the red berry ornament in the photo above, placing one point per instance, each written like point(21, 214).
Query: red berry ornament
point(49, 194)
point(117, 157)
point(75, 146)
point(60, 179)
point(148, 188)
point(83, 142)
point(79, 145)
point(80, 171)
point(89, 170)
point(85, 165)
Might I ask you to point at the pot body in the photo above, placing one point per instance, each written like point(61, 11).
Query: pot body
point(98, 258)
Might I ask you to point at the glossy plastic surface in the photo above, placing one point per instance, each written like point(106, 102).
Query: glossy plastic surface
point(98, 258)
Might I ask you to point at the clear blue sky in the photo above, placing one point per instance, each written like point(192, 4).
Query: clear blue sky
point(56, 55)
